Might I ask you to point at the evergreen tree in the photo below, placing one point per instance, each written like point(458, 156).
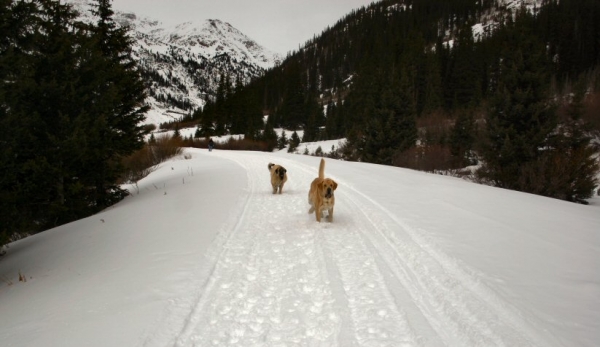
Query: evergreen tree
point(431, 94)
point(462, 137)
point(294, 142)
point(463, 87)
point(390, 120)
point(176, 133)
point(269, 136)
point(120, 99)
point(206, 125)
point(221, 110)
point(567, 168)
point(72, 97)
point(519, 119)
point(292, 113)
point(314, 121)
point(19, 27)
point(282, 141)
point(331, 123)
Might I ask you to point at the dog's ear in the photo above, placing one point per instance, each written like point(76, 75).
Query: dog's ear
point(270, 166)
point(283, 170)
point(334, 184)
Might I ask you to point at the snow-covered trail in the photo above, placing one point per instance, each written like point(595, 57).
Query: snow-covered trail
point(279, 278)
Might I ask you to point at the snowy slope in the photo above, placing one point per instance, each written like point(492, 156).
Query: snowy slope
point(202, 254)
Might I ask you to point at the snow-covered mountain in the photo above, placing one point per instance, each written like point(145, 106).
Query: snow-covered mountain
point(183, 64)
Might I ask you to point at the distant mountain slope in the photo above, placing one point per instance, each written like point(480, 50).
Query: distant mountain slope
point(374, 47)
point(182, 64)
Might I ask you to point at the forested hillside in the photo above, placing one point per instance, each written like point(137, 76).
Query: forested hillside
point(441, 84)
point(71, 106)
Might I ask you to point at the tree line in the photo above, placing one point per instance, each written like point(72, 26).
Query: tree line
point(71, 106)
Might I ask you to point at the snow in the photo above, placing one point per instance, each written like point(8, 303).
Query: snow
point(203, 254)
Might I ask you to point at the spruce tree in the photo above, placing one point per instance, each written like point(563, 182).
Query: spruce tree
point(206, 125)
point(520, 118)
point(19, 27)
point(72, 97)
point(568, 168)
point(462, 138)
point(294, 142)
point(269, 136)
point(120, 95)
point(282, 140)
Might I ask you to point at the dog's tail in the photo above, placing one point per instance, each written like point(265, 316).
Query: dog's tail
point(322, 169)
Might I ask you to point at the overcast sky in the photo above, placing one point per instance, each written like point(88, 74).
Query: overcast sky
point(278, 25)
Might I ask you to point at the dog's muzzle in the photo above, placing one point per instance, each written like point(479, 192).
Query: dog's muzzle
point(329, 193)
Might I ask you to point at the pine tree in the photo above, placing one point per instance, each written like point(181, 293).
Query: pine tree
point(221, 110)
point(519, 119)
point(292, 113)
point(463, 88)
point(120, 98)
point(294, 142)
point(18, 32)
point(72, 98)
point(567, 168)
point(269, 136)
point(462, 137)
point(206, 125)
point(282, 141)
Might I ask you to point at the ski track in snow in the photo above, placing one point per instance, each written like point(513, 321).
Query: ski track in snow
point(272, 285)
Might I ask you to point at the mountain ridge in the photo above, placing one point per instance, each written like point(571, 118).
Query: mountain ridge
point(182, 64)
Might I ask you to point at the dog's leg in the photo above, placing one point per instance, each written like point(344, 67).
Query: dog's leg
point(274, 189)
point(330, 214)
point(318, 213)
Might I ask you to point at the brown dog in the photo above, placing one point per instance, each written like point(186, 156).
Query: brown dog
point(278, 177)
point(320, 196)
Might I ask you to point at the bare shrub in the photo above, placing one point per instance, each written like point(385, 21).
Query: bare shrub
point(138, 165)
point(426, 158)
point(245, 145)
point(347, 152)
point(166, 147)
point(6, 280)
point(434, 127)
point(142, 162)
point(567, 175)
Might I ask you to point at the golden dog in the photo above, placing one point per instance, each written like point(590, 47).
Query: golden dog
point(320, 196)
point(278, 177)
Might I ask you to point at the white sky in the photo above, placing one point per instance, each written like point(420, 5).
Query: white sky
point(278, 25)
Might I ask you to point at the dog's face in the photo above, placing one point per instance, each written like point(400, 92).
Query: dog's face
point(277, 171)
point(280, 171)
point(327, 186)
